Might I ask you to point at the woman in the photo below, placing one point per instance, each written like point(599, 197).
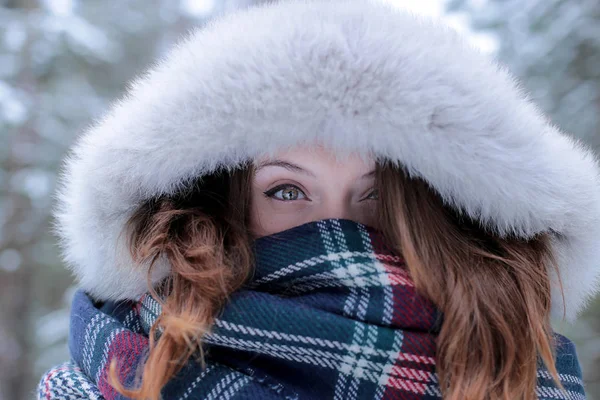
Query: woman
point(326, 199)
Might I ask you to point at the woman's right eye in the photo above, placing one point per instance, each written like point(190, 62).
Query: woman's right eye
point(286, 193)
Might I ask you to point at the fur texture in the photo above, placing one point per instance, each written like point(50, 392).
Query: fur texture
point(352, 75)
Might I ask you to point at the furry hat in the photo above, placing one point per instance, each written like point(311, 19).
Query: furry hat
point(355, 76)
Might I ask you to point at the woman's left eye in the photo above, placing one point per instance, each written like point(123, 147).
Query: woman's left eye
point(286, 193)
point(374, 195)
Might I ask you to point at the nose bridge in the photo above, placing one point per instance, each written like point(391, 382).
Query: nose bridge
point(334, 207)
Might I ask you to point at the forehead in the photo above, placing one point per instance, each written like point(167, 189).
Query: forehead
point(319, 156)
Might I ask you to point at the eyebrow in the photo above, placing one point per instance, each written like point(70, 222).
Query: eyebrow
point(284, 164)
point(296, 168)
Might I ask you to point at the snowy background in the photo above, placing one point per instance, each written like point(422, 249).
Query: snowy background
point(62, 61)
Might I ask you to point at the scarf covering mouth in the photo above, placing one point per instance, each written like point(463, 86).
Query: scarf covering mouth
point(330, 313)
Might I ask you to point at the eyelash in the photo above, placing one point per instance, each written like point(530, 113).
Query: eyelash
point(271, 192)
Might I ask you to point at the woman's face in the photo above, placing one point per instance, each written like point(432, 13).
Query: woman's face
point(303, 185)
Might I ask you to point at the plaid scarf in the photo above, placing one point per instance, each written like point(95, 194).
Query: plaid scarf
point(330, 313)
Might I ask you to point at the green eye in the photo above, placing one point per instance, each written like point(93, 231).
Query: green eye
point(286, 193)
point(289, 194)
point(374, 195)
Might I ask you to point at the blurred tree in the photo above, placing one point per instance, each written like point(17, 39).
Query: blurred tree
point(553, 46)
point(22, 223)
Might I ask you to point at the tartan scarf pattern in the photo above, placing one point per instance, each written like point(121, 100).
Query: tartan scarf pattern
point(330, 313)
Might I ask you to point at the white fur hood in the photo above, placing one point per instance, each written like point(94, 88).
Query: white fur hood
point(358, 76)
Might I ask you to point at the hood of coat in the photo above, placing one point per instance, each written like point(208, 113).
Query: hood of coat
point(356, 76)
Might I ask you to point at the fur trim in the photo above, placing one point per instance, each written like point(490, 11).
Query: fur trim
point(353, 75)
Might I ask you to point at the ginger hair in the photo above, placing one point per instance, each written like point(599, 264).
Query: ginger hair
point(494, 292)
